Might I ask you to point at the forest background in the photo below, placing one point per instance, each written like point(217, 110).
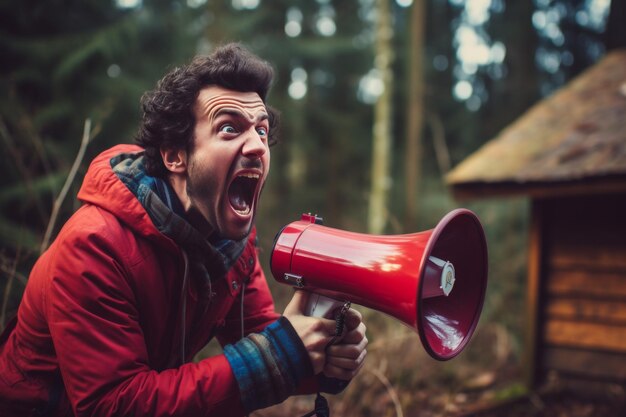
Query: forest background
point(379, 99)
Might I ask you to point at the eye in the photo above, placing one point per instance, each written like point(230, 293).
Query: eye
point(227, 128)
point(262, 131)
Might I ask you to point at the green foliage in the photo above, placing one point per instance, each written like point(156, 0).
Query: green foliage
point(511, 392)
point(64, 62)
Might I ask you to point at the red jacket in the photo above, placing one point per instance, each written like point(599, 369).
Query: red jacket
point(100, 319)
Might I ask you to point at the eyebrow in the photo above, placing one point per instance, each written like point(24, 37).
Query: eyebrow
point(238, 113)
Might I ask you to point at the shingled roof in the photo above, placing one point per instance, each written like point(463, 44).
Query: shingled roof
point(574, 141)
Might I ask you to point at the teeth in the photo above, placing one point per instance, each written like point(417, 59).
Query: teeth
point(243, 212)
point(250, 175)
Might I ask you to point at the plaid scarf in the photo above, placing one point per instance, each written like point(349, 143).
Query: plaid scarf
point(211, 259)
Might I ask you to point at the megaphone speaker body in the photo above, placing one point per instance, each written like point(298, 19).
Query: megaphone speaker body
point(432, 281)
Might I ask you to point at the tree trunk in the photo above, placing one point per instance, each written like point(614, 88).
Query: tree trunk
point(381, 152)
point(415, 113)
point(615, 35)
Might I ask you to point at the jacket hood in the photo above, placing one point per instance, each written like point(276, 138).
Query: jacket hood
point(116, 181)
point(102, 187)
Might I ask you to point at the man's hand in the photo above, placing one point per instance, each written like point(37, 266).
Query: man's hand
point(345, 357)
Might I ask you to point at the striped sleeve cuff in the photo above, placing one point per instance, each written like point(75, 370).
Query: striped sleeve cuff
point(269, 366)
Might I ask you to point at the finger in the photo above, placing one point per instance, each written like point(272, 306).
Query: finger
point(333, 371)
point(347, 363)
point(350, 351)
point(354, 336)
point(318, 362)
point(352, 319)
point(298, 303)
point(315, 332)
point(322, 332)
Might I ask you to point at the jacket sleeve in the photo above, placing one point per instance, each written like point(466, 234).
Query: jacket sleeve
point(270, 362)
point(102, 356)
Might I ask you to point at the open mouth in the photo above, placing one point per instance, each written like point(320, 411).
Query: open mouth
point(241, 192)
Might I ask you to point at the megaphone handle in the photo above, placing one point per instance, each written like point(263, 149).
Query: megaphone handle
point(322, 306)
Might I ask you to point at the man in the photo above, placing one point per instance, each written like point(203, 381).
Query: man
point(161, 258)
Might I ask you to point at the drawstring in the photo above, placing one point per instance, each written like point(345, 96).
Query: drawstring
point(183, 302)
point(321, 404)
point(243, 291)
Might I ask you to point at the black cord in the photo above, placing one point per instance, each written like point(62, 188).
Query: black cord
point(321, 407)
point(321, 404)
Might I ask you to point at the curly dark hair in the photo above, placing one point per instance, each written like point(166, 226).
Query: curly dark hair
point(168, 119)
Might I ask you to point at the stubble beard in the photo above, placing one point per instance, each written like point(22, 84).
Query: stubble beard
point(204, 213)
point(200, 207)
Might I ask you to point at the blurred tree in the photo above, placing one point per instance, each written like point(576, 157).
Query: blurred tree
point(615, 34)
point(415, 112)
point(483, 64)
point(381, 129)
point(320, 52)
point(64, 62)
point(571, 36)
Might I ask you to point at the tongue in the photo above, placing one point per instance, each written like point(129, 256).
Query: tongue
point(236, 197)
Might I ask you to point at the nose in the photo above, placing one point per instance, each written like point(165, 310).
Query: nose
point(254, 146)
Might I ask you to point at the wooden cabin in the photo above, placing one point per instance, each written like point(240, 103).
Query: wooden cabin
point(568, 155)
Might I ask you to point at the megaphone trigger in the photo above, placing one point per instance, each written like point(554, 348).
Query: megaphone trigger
point(321, 306)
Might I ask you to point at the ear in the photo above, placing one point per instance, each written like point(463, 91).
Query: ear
point(175, 160)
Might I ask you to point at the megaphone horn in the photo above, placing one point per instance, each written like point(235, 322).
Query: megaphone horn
point(432, 281)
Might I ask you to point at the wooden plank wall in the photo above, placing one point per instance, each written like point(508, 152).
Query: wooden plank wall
point(582, 312)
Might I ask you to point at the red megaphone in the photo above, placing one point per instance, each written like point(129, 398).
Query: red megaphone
point(432, 281)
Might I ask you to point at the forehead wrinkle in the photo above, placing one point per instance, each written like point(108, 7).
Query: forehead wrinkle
point(238, 113)
point(252, 109)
